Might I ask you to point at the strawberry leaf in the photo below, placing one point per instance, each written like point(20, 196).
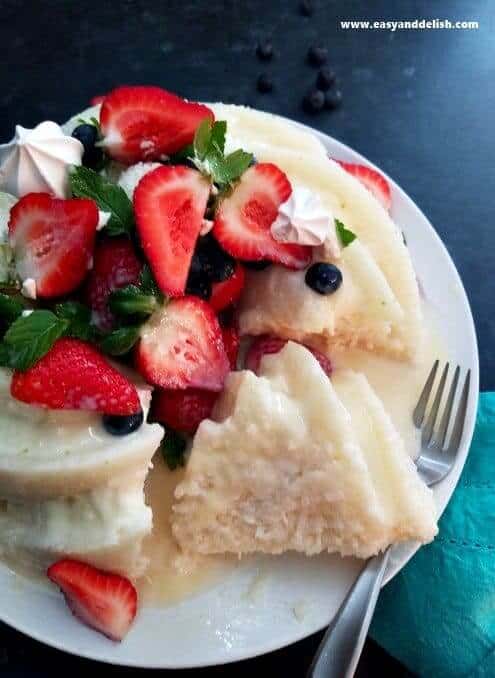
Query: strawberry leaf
point(345, 235)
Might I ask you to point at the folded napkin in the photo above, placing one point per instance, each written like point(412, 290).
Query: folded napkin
point(437, 616)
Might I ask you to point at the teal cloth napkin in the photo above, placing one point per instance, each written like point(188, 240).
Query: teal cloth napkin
point(437, 616)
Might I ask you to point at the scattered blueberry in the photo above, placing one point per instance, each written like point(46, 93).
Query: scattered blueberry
point(323, 278)
point(264, 50)
point(118, 425)
point(314, 101)
point(333, 99)
point(317, 56)
point(264, 84)
point(326, 78)
point(306, 8)
point(215, 263)
point(199, 286)
point(199, 263)
point(257, 265)
point(88, 136)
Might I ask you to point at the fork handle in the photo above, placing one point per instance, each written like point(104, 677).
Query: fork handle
point(342, 644)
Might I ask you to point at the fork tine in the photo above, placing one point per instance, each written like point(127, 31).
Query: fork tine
point(420, 409)
point(444, 424)
point(427, 433)
point(455, 438)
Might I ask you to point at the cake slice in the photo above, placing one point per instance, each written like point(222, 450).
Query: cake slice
point(294, 461)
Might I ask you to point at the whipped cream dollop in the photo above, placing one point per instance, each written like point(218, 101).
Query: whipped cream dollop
point(302, 219)
point(38, 160)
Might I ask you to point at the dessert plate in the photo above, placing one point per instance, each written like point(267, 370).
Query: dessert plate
point(265, 603)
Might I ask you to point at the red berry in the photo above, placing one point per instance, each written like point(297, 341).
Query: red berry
point(231, 341)
point(53, 241)
point(372, 180)
point(267, 344)
point(75, 376)
point(225, 293)
point(104, 601)
point(184, 410)
point(98, 99)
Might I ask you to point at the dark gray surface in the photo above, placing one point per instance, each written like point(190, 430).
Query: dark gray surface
point(420, 104)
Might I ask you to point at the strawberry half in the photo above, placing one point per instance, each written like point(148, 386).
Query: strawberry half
point(97, 99)
point(169, 204)
point(53, 241)
point(267, 344)
point(225, 293)
point(183, 411)
point(104, 601)
point(115, 265)
point(75, 376)
point(372, 180)
point(243, 220)
point(181, 346)
point(147, 123)
point(231, 342)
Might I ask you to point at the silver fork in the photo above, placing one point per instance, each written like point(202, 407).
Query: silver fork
point(342, 644)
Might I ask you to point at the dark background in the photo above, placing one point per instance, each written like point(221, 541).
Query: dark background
point(420, 104)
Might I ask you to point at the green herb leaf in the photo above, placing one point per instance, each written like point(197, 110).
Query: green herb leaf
point(148, 284)
point(345, 235)
point(30, 337)
point(217, 137)
point(130, 300)
point(85, 183)
point(79, 318)
point(7, 264)
point(120, 342)
point(202, 139)
point(173, 448)
point(183, 154)
point(232, 167)
point(10, 308)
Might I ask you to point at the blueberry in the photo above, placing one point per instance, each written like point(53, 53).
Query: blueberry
point(333, 99)
point(306, 8)
point(326, 78)
point(264, 50)
point(88, 136)
point(323, 278)
point(264, 83)
point(314, 101)
point(317, 56)
point(199, 263)
point(217, 265)
point(199, 286)
point(257, 265)
point(118, 425)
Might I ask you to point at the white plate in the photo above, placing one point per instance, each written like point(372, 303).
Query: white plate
point(291, 596)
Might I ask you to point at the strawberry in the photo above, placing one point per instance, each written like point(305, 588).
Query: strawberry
point(268, 344)
point(53, 241)
point(115, 265)
point(181, 346)
point(183, 411)
point(231, 341)
point(104, 601)
point(169, 204)
point(243, 219)
point(372, 180)
point(75, 376)
point(98, 99)
point(147, 123)
point(225, 293)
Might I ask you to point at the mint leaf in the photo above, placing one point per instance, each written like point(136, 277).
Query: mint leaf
point(79, 318)
point(120, 342)
point(202, 139)
point(173, 449)
point(85, 183)
point(148, 284)
point(130, 300)
point(232, 167)
point(184, 154)
point(30, 337)
point(10, 308)
point(217, 137)
point(345, 235)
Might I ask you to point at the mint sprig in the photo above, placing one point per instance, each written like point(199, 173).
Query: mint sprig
point(30, 337)
point(173, 449)
point(346, 236)
point(10, 308)
point(120, 341)
point(131, 300)
point(85, 183)
point(79, 318)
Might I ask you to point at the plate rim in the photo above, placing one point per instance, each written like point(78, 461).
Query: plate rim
point(351, 155)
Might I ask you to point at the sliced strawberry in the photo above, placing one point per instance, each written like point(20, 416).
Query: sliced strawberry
point(225, 293)
point(183, 410)
point(243, 220)
point(268, 344)
point(104, 601)
point(98, 99)
point(53, 241)
point(181, 346)
point(231, 341)
point(147, 123)
point(75, 376)
point(373, 180)
point(169, 203)
point(115, 265)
